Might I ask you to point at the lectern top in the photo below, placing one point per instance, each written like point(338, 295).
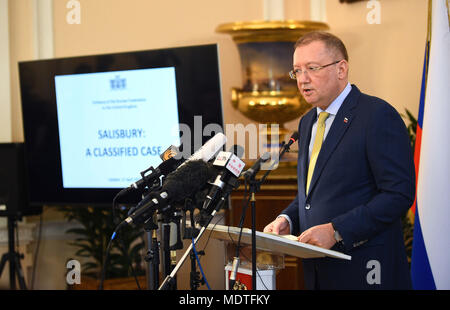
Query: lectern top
point(273, 243)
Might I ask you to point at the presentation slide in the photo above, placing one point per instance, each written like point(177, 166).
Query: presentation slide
point(113, 125)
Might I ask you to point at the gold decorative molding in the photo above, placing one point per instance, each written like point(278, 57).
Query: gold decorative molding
point(269, 31)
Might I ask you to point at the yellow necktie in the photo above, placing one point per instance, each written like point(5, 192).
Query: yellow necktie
point(316, 147)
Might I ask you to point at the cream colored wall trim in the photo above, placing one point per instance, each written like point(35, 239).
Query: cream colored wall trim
point(273, 9)
point(43, 29)
point(26, 234)
point(50, 231)
point(5, 77)
point(318, 10)
point(57, 230)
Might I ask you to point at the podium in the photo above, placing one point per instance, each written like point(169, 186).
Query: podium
point(271, 250)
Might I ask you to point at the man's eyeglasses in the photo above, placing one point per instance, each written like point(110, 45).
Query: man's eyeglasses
point(293, 74)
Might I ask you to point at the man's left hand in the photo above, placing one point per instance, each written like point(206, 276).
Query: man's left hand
point(320, 235)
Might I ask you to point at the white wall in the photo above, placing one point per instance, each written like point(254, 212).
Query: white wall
point(5, 85)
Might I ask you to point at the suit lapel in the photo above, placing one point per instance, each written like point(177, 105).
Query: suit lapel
point(340, 125)
point(309, 120)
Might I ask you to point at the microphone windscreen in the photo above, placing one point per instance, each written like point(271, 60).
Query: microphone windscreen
point(188, 179)
point(200, 196)
point(169, 165)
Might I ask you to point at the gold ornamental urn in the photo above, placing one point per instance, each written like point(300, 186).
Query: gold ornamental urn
point(268, 95)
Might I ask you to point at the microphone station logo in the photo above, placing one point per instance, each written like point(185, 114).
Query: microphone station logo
point(235, 165)
point(171, 151)
point(230, 161)
point(222, 158)
point(118, 83)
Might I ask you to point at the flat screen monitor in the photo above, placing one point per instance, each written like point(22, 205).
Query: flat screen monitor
point(93, 123)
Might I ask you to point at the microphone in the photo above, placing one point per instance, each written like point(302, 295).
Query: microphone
point(169, 164)
point(179, 184)
point(294, 137)
point(205, 153)
point(251, 172)
point(209, 149)
point(171, 161)
point(231, 166)
point(164, 168)
point(286, 147)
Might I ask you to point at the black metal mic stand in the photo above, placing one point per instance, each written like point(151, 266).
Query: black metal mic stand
point(168, 280)
point(152, 255)
point(167, 283)
point(168, 252)
point(153, 245)
point(188, 233)
point(254, 187)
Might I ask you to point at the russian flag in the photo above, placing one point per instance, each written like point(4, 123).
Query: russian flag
point(430, 262)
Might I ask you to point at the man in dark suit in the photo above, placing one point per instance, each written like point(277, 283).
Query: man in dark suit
point(356, 175)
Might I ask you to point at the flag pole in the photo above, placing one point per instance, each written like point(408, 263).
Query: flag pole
point(412, 210)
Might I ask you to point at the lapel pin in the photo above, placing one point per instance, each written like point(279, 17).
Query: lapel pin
point(345, 120)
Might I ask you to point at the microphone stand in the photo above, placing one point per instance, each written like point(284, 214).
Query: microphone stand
point(153, 245)
point(189, 233)
point(169, 251)
point(167, 283)
point(152, 256)
point(254, 187)
point(168, 280)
